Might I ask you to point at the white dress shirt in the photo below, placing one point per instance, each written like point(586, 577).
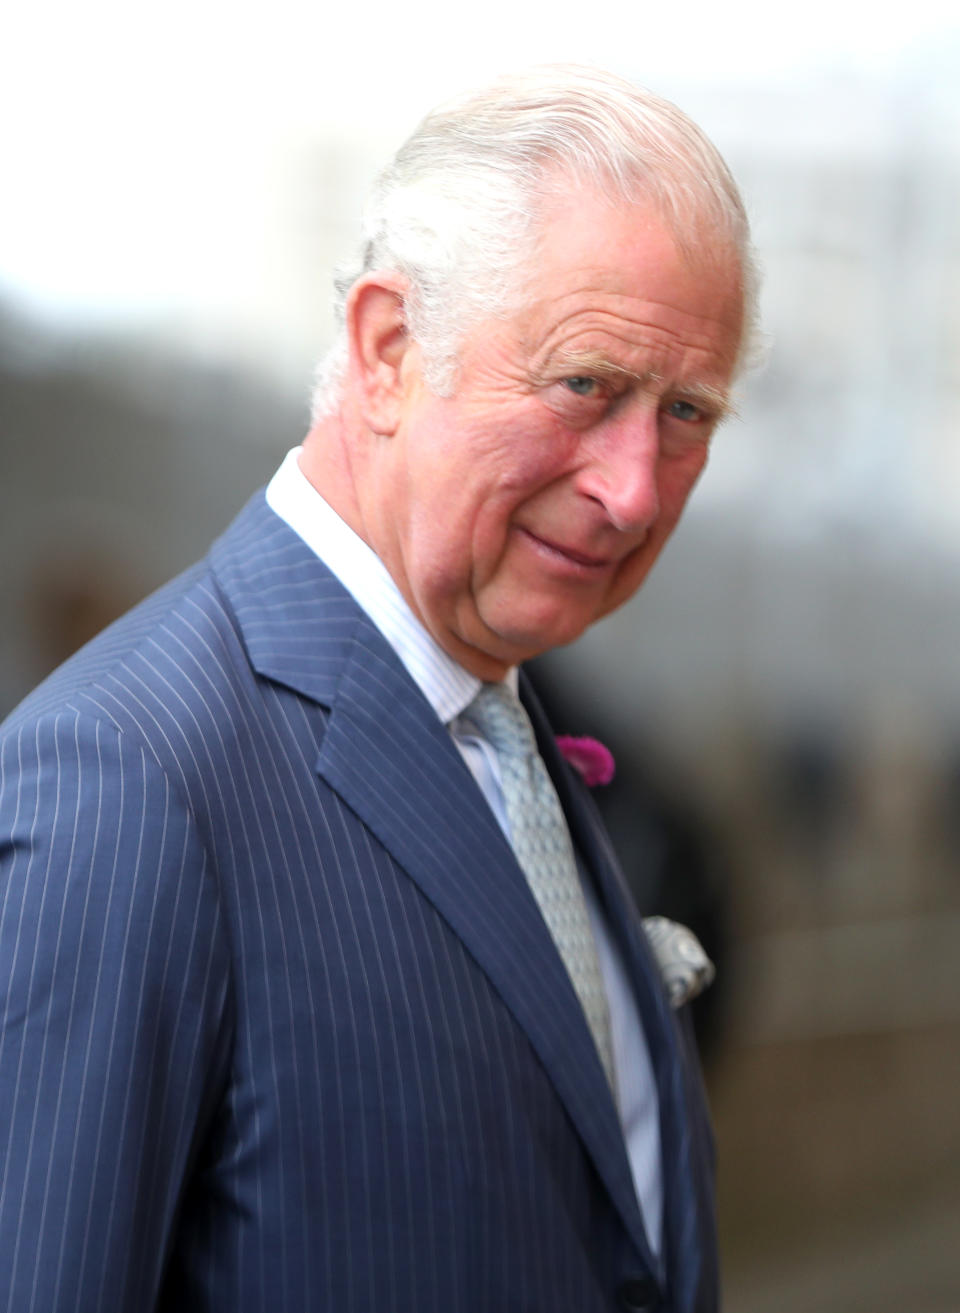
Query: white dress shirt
point(450, 689)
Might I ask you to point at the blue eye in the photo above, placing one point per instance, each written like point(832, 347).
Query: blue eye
point(684, 410)
point(581, 384)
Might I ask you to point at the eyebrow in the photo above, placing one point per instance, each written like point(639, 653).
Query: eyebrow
point(597, 365)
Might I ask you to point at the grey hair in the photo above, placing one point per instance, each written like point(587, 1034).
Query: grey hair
point(455, 212)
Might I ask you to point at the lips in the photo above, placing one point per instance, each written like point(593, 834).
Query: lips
point(565, 552)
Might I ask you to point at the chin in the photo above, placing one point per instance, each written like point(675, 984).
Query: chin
point(533, 639)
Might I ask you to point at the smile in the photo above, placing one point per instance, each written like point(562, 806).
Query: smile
point(582, 561)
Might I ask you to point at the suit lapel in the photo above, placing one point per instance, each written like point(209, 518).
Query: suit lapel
point(393, 763)
point(688, 1206)
point(396, 766)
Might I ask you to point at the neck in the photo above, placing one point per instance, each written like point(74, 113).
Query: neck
point(328, 461)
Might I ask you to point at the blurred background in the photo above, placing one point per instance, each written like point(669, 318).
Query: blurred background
point(783, 697)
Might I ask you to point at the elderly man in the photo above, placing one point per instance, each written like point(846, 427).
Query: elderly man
point(319, 986)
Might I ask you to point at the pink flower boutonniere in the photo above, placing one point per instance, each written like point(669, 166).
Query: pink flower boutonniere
point(684, 966)
point(590, 757)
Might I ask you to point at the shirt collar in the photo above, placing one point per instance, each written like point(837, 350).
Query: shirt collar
point(446, 685)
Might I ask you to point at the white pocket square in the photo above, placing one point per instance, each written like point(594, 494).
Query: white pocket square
point(684, 966)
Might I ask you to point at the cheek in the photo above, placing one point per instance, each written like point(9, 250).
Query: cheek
point(473, 475)
point(506, 466)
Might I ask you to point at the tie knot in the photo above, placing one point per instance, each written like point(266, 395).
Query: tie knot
point(497, 712)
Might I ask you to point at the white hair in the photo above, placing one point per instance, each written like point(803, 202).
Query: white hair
point(456, 211)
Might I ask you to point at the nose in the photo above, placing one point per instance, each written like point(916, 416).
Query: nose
point(623, 474)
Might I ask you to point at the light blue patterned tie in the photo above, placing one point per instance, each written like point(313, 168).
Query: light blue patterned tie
point(542, 846)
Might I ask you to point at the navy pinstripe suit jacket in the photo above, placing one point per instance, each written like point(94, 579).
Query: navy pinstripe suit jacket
point(282, 1028)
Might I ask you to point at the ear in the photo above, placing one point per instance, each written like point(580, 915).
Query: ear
point(377, 333)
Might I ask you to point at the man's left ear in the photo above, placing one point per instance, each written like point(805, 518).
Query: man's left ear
point(377, 334)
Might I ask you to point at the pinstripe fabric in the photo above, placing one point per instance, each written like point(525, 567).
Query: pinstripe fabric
point(690, 1261)
point(279, 1024)
point(366, 578)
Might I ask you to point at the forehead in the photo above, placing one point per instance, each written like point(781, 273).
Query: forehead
point(613, 282)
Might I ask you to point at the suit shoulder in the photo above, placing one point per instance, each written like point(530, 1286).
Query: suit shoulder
point(93, 680)
point(179, 676)
point(151, 663)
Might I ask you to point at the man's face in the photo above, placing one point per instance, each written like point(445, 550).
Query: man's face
point(534, 500)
